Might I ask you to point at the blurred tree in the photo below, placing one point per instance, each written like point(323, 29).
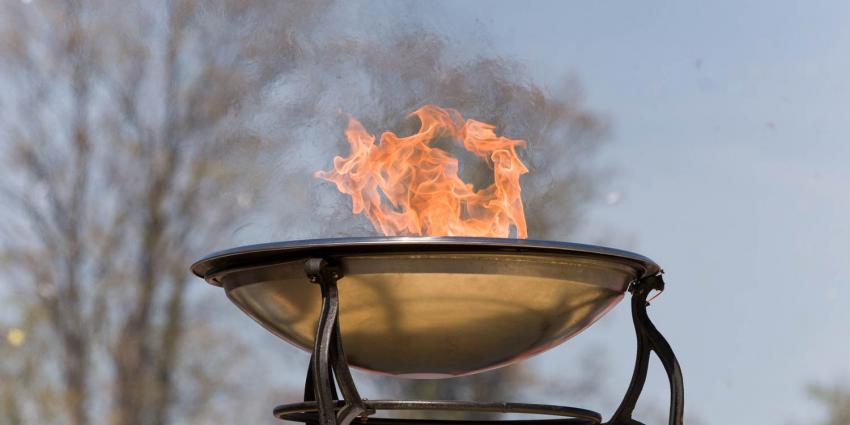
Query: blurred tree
point(121, 128)
point(135, 134)
point(836, 399)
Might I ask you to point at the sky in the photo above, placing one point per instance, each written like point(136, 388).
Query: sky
point(729, 149)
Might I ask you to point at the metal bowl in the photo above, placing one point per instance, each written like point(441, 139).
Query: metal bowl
point(430, 307)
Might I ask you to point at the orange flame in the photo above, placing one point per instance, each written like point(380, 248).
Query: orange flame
point(423, 192)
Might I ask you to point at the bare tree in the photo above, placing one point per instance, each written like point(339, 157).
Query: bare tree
point(135, 134)
point(835, 399)
point(124, 130)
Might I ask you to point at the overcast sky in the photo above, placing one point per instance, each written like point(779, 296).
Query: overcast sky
point(731, 143)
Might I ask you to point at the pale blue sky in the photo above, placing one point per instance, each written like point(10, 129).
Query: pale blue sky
point(731, 141)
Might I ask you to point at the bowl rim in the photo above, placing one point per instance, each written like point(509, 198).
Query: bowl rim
point(275, 252)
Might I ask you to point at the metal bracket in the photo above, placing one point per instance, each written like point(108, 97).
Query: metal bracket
point(328, 358)
point(328, 361)
point(649, 339)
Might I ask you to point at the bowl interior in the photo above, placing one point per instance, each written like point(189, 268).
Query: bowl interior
point(435, 313)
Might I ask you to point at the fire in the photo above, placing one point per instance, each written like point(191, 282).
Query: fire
point(406, 187)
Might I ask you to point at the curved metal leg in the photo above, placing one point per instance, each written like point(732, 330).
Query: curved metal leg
point(328, 358)
point(649, 339)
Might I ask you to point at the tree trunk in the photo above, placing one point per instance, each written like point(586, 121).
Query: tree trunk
point(75, 373)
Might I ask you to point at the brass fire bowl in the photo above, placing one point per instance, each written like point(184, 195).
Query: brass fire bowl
point(430, 307)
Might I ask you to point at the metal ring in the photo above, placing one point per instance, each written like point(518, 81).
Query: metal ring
point(307, 412)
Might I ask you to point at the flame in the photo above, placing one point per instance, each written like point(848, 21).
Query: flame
point(406, 187)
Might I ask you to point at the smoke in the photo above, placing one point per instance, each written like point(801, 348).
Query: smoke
point(381, 62)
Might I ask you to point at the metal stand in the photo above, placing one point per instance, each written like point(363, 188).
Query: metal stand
point(649, 339)
point(322, 405)
point(328, 358)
